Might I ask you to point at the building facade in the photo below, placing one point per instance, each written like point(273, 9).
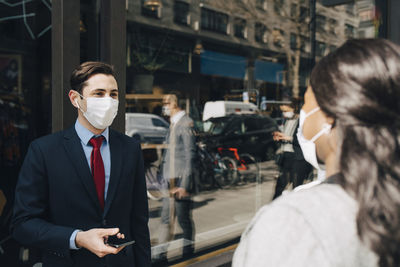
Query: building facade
point(242, 44)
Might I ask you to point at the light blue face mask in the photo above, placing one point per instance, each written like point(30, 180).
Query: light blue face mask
point(308, 146)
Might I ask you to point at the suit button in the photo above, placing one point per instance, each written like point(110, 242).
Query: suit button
point(104, 223)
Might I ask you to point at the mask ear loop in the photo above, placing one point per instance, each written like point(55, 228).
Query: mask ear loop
point(312, 112)
point(326, 128)
point(300, 129)
point(76, 102)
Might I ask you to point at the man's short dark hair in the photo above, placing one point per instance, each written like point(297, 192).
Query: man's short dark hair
point(87, 69)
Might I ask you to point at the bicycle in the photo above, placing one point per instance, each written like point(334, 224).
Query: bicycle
point(210, 171)
point(248, 167)
point(213, 169)
point(157, 187)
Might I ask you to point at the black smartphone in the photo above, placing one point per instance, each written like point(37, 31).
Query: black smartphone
point(116, 242)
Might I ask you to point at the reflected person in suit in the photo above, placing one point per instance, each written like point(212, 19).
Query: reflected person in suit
point(79, 186)
point(177, 169)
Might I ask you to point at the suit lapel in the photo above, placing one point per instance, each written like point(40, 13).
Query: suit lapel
point(73, 147)
point(116, 152)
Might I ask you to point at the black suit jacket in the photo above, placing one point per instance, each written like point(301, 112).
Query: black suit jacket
point(55, 195)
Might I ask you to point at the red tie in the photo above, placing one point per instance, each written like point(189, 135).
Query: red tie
point(97, 166)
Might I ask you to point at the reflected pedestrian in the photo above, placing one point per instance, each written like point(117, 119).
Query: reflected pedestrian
point(353, 218)
point(177, 169)
point(293, 168)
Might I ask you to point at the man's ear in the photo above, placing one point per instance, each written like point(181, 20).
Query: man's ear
point(72, 94)
point(174, 105)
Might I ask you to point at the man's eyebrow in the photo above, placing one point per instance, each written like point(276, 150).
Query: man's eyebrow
point(104, 90)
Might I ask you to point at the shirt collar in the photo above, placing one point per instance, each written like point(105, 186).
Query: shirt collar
point(85, 135)
point(177, 116)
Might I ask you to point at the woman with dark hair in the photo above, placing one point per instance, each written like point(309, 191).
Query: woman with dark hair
point(351, 124)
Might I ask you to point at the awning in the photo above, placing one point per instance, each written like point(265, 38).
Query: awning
point(227, 65)
point(268, 71)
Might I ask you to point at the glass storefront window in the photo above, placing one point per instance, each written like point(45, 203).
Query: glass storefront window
point(261, 33)
point(234, 171)
point(181, 13)
point(240, 28)
point(321, 48)
point(321, 23)
point(214, 21)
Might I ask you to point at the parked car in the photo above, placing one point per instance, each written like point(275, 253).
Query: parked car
point(147, 128)
point(249, 133)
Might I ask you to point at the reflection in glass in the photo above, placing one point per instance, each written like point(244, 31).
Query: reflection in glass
point(213, 52)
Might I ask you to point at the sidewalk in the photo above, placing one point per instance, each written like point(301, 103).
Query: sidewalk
point(219, 215)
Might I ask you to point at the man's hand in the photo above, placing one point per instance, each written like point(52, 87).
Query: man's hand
point(93, 240)
point(180, 192)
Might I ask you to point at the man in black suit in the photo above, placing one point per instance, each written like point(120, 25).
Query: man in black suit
point(80, 186)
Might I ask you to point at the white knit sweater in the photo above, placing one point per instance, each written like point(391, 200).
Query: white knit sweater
point(311, 227)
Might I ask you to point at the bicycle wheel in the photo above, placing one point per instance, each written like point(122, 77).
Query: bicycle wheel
point(156, 185)
point(249, 168)
point(154, 195)
point(228, 174)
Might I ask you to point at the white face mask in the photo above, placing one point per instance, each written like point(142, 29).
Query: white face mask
point(166, 111)
point(308, 146)
point(288, 114)
point(100, 111)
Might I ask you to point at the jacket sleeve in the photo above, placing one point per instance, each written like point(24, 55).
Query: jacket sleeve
point(189, 152)
point(140, 214)
point(29, 224)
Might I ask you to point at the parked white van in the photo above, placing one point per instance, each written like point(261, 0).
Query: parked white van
point(214, 109)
